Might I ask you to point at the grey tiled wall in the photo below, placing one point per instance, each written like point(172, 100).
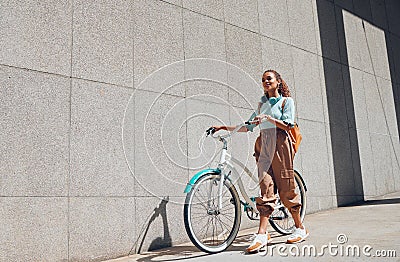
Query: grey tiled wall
point(94, 159)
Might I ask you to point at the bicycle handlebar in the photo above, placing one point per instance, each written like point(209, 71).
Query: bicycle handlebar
point(212, 130)
point(254, 122)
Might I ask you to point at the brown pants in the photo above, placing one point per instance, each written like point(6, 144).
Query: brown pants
point(275, 168)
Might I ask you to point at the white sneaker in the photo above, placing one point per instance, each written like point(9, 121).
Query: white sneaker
point(298, 235)
point(260, 241)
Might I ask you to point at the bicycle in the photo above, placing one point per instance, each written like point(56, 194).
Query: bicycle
point(213, 200)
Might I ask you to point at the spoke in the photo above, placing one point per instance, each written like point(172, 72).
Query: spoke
point(227, 199)
point(227, 220)
point(224, 230)
point(205, 213)
point(223, 224)
point(220, 236)
point(201, 230)
point(226, 191)
point(212, 197)
point(199, 202)
point(227, 225)
point(208, 223)
point(198, 213)
point(200, 226)
point(203, 190)
point(201, 217)
point(204, 195)
point(228, 215)
point(199, 187)
point(227, 208)
point(213, 235)
point(217, 235)
point(199, 206)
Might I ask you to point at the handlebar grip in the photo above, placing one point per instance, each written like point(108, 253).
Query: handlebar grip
point(209, 131)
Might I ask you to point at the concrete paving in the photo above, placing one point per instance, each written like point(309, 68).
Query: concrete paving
point(371, 227)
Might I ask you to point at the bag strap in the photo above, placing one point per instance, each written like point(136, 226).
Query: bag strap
point(259, 107)
point(283, 104)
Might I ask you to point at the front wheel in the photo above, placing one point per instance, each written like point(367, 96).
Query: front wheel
point(211, 229)
point(281, 219)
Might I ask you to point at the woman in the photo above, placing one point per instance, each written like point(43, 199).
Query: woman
point(275, 163)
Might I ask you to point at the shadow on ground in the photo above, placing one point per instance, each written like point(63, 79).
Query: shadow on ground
point(376, 202)
point(185, 252)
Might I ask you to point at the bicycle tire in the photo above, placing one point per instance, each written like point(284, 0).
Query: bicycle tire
point(203, 241)
point(281, 219)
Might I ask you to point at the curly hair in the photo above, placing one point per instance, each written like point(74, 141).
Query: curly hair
point(283, 88)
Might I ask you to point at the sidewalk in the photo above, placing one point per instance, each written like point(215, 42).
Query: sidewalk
point(375, 223)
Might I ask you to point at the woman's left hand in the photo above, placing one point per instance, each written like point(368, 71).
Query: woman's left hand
point(260, 117)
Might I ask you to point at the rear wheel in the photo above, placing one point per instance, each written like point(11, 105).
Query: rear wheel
point(281, 219)
point(211, 229)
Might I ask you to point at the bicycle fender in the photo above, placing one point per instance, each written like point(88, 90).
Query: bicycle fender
point(197, 176)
